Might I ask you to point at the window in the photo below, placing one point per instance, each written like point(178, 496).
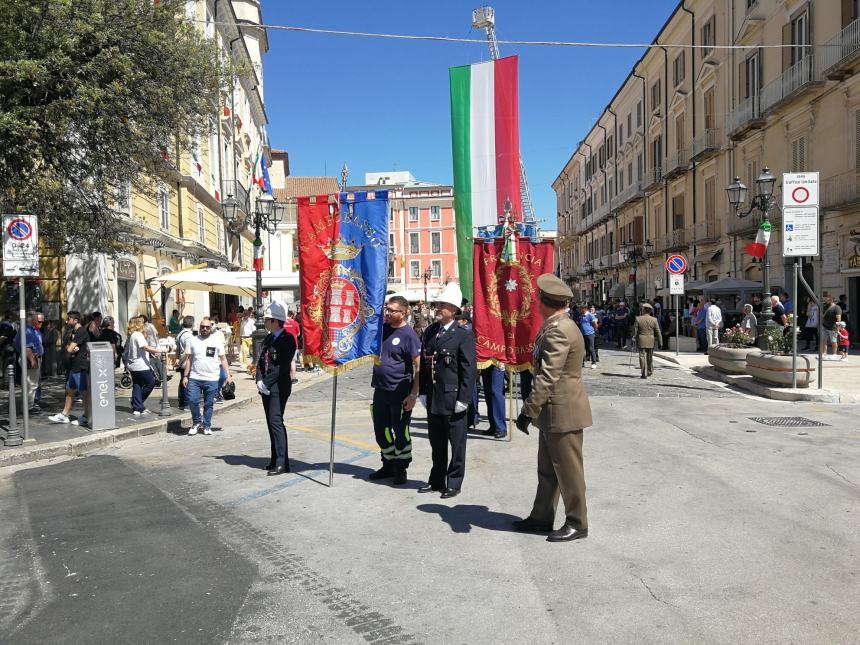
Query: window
point(707, 35)
point(201, 225)
point(679, 68)
point(413, 214)
point(435, 242)
point(750, 76)
point(415, 268)
point(798, 155)
point(391, 242)
point(436, 268)
point(164, 207)
point(219, 232)
point(751, 4)
point(639, 114)
point(639, 162)
point(680, 126)
point(414, 243)
point(391, 268)
point(678, 212)
point(610, 148)
point(657, 152)
point(630, 124)
point(435, 213)
point(655, 96)
point(798, 33)
point(214, 171)
point(620, 135)
point(630, 173)
point(708, 101)
point(391, 216)
point(710, 199)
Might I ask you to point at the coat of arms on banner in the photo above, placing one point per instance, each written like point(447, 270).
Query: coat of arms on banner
point(339, 306)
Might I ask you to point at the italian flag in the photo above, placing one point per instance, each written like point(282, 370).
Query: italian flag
point(258, 256)
point(486, 150)
point(758, 248)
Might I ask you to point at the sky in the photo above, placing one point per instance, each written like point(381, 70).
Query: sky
point(380, 104)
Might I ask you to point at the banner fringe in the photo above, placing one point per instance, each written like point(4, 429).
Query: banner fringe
point(504, 366)
point(335, 370)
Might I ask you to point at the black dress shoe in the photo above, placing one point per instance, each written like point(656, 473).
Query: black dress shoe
point(399, 478)
point(567, 533)
point(382, 473)
point(278, 470)
point(531, 524)
point(427, 488)
point(450, 492)
point(270, 465)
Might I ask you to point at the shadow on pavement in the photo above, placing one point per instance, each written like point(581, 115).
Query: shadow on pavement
point(243, 460)
point(463, 517)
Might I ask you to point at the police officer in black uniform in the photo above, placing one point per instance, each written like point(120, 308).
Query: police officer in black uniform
point(274, 383)
point(447, 383)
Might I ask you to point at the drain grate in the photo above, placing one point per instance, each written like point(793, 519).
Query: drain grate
point(788, 422)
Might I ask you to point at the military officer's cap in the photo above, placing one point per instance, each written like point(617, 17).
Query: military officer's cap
point(552, 288)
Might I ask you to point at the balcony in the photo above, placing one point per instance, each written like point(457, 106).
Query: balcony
point(672, 241)
point(840, 53)
point(677, 164)
point(745, 117)
point(601, 212)
point(653, 177)
point(793, 82)
point(707, 231)
point(706, 145)
point(840, 192)
point(616, 259)
point(632, 193)
point(749, 225)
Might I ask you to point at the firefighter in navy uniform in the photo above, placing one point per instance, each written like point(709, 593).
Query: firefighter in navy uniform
point(274, 383)
point(447, 383)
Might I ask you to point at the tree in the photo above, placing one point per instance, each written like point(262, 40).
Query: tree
point(96, 95)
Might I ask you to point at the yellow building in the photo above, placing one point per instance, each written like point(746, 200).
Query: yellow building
point(687, 120)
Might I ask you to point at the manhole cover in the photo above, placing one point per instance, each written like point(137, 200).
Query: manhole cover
point(788, 422)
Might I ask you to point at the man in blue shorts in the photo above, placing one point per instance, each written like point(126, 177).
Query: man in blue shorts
point(75, 340)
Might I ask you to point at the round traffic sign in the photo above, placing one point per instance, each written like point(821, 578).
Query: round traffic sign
point(800, 194)
point(19, 229)
point(676, 264)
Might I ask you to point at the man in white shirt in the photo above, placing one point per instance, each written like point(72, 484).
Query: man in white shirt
point(246, 328)
point(713, 322)
point(201, 377)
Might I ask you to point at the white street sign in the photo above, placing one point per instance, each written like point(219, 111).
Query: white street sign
point(799, 231)
point(20, 245)
point(799, 189)
point(676, 285)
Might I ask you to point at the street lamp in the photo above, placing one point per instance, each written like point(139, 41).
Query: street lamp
point(633, 253)
point(762, 202)
point(428, 273)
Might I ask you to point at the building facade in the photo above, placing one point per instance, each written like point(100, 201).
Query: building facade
point(651, 173)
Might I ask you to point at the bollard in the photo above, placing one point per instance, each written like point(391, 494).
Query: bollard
point(165, 400)
point(13, 435)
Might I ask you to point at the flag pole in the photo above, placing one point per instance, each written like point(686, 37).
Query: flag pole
point(510, 403)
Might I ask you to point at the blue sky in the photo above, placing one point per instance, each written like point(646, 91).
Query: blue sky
point(383, 104)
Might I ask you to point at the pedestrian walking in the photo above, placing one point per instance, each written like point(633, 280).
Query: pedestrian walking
point(588, 327)
point(446, 380)
point(275, 384)
point(183, 338)
point(647, 335)
point(395, 390)
point(202, 372)
point(151, 334)
point(843, 338)
point(558, 406)
point(810, 327)
point(713, 322)
point(622, 324)
point(138, 361)
point(832, 315)
point(75, 340)
point(31, 365)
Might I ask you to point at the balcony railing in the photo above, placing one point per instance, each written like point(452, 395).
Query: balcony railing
point(601, 212)
point(677, 164)
point(707, 231)
point(841, 191)
point(633, 192)
point(746, 116)
point(616, 259)
point(840, 52)
point(653, 176)
point(796, 79)
point(672, 240)
point(706, 144)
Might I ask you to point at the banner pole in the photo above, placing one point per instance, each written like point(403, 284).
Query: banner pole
point(333, 419)
point(510, 403)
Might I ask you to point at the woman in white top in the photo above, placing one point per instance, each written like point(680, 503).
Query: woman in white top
point(136, 356)
point(749, 324)
point(810, 328)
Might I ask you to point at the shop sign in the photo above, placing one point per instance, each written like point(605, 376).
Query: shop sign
point(126, 270)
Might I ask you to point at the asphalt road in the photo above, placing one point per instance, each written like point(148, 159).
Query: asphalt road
point(706, 526)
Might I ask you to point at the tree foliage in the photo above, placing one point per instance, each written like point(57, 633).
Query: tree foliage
point(94, 94)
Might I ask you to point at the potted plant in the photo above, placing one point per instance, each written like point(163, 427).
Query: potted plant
point(774, 366)
point(730, 356)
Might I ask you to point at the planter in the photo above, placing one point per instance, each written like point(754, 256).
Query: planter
point(731, 360)
point(774, 369)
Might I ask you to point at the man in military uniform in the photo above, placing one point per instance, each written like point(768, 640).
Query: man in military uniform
point(447, 382)
point(558, 406)
point(646, 332)
point(275, 384)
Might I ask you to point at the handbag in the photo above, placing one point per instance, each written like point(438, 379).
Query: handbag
point(229, 391)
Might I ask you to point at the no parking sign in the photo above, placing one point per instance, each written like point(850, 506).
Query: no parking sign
point(20, 245)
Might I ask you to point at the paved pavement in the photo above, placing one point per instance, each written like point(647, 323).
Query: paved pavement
point(706, 526)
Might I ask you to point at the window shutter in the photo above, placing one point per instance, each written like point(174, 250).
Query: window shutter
point(638, 231)
point(802, 154)
point(742, 76)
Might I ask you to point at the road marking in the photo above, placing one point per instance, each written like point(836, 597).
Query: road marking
point(327, 435)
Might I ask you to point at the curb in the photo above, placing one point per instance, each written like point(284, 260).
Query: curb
point(81, 445)
point(746, 382)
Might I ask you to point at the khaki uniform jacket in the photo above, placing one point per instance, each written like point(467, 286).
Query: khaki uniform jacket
point(646, 331)
point(558, 401)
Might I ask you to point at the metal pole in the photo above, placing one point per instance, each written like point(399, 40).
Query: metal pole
point(794, 328)
point(13, 435)
point(677, 326)
point(817, 302)
point(510, 403)
point(165, 410)
point(820, 334)
point(333, 418)
point(22, 336)
point(260, 333)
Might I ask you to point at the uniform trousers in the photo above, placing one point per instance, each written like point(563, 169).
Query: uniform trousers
point(560, 473)
point(493, 382)
point(646, 360)
point(274, 405)
point(442, 430)
point(391, 427)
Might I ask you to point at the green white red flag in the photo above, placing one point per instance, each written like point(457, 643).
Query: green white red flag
point(758, 248)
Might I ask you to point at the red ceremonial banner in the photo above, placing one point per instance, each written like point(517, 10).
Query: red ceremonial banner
point(506, 318)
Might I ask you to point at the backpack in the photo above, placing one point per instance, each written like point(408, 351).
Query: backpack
point(181, 340)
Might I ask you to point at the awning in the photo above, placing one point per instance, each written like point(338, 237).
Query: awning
point(211, 280)
point(411, 296)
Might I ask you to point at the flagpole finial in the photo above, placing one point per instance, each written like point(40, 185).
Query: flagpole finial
point(344, 173)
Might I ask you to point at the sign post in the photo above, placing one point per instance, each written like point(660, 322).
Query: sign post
point(800, 239)
point(676, 289)
point(21, 259)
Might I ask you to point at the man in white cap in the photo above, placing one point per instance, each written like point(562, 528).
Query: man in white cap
point(447, 381)
point(274, 383)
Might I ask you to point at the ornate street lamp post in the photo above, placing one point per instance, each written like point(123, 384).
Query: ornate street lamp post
point(763, 202)
point(428, 273)
point(633, 253)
